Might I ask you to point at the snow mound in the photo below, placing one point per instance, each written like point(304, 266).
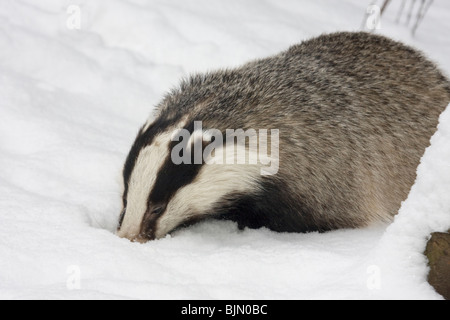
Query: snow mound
point(426, 210)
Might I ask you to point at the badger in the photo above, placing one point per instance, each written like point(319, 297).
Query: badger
point(352, 114)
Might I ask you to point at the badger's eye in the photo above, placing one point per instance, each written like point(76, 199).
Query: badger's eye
point(158, 210)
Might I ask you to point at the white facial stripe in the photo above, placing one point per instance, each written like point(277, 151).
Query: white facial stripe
point(145, 171)
point(199, 197)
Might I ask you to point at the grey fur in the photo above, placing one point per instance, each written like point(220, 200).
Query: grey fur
point(355, 113)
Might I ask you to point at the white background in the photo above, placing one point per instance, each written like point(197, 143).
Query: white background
point(71, 102)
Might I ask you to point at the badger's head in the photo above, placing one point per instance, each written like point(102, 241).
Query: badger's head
point(161, 194)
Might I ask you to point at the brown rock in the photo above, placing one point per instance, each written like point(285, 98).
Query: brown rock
point(438, 253)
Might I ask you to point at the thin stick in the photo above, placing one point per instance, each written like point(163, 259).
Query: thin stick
point(421, 15)
point(385, 4)
point(411, 8)
point(399, 15)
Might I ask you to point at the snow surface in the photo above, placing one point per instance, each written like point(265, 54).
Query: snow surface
point(71, 102)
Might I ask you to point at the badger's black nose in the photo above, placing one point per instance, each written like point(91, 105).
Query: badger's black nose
point(144, 237)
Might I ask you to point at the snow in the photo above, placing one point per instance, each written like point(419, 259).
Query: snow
point(72, 101)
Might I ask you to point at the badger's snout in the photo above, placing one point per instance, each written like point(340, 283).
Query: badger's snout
point(141, 238)
point(143, 232)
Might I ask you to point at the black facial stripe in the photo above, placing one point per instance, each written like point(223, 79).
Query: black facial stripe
point(121, 217)
point(171, 178)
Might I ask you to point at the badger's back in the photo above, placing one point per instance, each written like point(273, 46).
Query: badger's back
point(355, 112)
